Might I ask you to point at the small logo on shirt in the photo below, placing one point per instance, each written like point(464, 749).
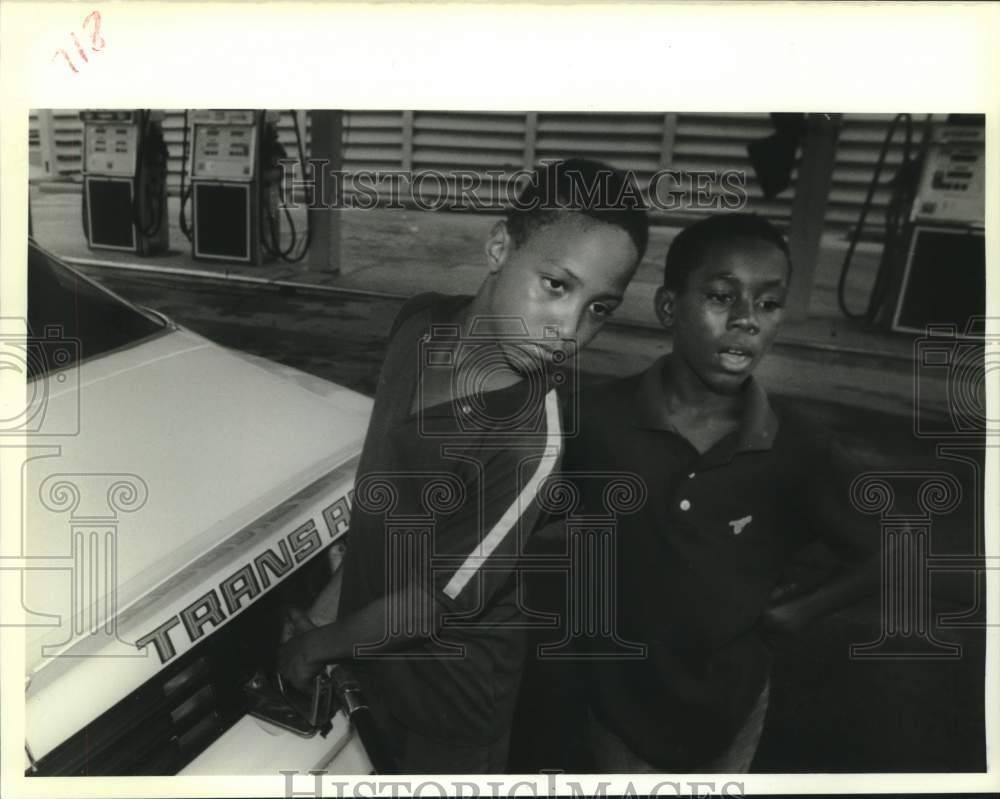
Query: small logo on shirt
point(739, 524)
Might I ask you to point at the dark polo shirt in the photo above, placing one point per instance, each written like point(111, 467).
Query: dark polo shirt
point(445, 497)
point(698, 561)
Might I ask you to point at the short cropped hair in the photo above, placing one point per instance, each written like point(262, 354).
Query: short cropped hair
point(690, 245)
point(581, 186)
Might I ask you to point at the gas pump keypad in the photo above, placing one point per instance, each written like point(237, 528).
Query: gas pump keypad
point(953, 185)
point(224, 152)
point(111, 149)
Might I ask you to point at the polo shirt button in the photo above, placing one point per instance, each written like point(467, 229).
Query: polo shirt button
point(690, 476)
point(685, 505)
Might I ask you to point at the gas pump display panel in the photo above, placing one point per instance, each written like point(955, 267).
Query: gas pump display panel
point(111, 147)
point(224, 152)
point(953, 184)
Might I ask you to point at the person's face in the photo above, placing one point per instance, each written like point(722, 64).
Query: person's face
point(729, 311)
point(562, 283)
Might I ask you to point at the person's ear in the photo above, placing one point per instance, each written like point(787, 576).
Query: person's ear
point(665, 301)
point(499, 246)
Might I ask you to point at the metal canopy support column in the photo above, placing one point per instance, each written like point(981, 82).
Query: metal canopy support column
point(407, 142)
point(812, 190)
point(530, 139)
point(667, 142)
point(49, 167)
point(326, 143)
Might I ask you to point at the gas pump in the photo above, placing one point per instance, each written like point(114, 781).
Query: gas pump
point(125, 180)
point(944, 276)
point(234, 173)
point(933, 265)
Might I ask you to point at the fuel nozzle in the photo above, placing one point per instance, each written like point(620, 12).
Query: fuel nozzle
point(348, 691)
point(346, 688)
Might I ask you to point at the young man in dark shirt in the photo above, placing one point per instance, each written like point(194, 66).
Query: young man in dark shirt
point(465, 428)
point(733, 488)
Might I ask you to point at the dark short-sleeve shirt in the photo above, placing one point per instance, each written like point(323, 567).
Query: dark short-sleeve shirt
point(446, 497)
point(698, 562)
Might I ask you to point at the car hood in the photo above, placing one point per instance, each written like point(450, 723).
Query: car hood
point(170, 446)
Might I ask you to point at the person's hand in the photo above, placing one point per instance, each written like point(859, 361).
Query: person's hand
point(784, 613)
point(784, 591)
point(294, 664)
point(296, 622)
point(782, 619)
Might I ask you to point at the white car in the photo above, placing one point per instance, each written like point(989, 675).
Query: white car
point(187, 492)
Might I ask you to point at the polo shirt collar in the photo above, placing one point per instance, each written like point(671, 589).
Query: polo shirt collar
point(758, 423)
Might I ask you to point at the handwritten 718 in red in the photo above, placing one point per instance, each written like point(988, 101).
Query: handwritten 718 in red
point(92, 26)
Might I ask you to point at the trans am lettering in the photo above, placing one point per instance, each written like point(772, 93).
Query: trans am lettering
point(305, 541)
point(206, 610)
point(241, 584)
point(279, 566)
point(240, 589)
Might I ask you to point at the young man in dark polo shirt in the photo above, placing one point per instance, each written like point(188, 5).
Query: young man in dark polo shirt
point(466, 427)
point(733, 489)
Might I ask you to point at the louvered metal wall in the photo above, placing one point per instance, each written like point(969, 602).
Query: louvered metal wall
point(508, 142)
